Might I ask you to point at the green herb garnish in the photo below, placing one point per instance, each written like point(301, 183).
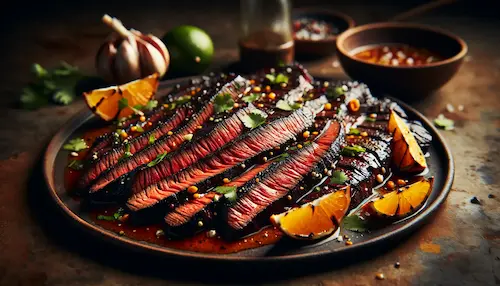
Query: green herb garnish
point(228, 192)
point(354, 131)
point(75, 165)
point(335, 92)
point(57, 85)
point(354, 223)
point(223, 102)
point(254, 119)
point(122, 103)
point(157, 160)
point(76, 144)
point(151, 139)
point(116, 216)
point(281, 78)
point(148, 107)
point(138, 128)
point(445, 123)
point(353, 150)
point(277, 79)
point(338, 178)
point(252, 97)
point(127, 152)
point(369, 119)
point(284, 105)
point(281, 157)
point(182, 99)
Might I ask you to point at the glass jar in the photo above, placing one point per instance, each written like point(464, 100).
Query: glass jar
point(266, 34)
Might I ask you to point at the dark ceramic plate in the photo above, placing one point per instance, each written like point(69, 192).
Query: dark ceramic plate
point(440, 164)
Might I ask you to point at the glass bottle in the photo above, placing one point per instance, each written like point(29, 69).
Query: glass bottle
point(266, 34)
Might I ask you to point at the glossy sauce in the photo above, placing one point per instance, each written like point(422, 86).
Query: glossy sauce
point(395, 55)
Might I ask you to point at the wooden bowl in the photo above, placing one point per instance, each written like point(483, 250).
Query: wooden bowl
point(402, 81)
point(324, 47)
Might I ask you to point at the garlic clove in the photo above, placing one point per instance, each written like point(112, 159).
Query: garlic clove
point(159, 45)
point(104, 61)
point(151, 59)
point(127, 65)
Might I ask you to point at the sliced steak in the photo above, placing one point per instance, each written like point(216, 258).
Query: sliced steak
point(110, 158)
point(142, 155)
point(197, 213)
point(248, 146)
point(223, 132)
point(277, 181)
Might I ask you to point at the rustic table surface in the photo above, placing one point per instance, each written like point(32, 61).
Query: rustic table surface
point(459, 246)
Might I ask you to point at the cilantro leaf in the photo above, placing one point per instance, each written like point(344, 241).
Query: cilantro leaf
point(119, 213)
point(254, 119)
point(445, 123)
point(151, 105)
point(354, 131)
point(284, 105)
point(252, 97)
point(335, 92)
point(127, 152)
point(157, 160)
point(151, 139)
point(122, 103)
point(228, 192)
point(353, 150)
point(338, 178)
point(39, 71)
point(63, 97)
point(106, 217)
point(271, 77)
point(354, 223)
point(223, 102)
point(75, 165)
point(31, 98)
point(76, 144)
point(281, 78)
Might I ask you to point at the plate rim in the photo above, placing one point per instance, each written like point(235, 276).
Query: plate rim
point(84, 115)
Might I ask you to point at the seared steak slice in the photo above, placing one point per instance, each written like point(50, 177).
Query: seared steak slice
point(258, 195)
point(197, 213)
point(142, 155)
point(245, 147)
point(222, 133)
point(110, 158)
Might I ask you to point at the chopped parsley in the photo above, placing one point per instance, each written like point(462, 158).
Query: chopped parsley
point(223, 102)
point(157, 160)
point(354, 131)
point(151, 139)
point(354, 223)
point(284, 105)
point(127, 152)
point(228, 192)
point(335, 92)
point(75, 165)
point(445, 123)
point(353, 150)
point(277, 79)
point(252, 97)
point(76, 144)
point(338, 178)
point(254, 119)
point(116, 216)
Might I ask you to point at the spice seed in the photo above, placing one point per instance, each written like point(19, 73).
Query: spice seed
point(380, 178)
point(380, 276)
point(74, 154)
point(397, 265)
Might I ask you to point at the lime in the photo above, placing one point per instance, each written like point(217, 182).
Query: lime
point(191, 50)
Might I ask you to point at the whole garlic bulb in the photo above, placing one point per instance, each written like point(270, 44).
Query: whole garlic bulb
point(131, 56)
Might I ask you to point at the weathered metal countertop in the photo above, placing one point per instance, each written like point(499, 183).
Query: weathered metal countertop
point(459, 246)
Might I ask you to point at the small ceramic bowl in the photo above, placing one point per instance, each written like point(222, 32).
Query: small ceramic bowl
point(322, 47)
point(402, 81)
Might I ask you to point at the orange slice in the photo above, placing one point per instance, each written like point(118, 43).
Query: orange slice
point(404, 201)
point(316, 219)
point(406, 153)
point(105, 102)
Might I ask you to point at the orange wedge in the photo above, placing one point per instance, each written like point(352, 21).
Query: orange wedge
point(316, 219)
point(406, 153)
point(404, 201)
point(105, 102)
